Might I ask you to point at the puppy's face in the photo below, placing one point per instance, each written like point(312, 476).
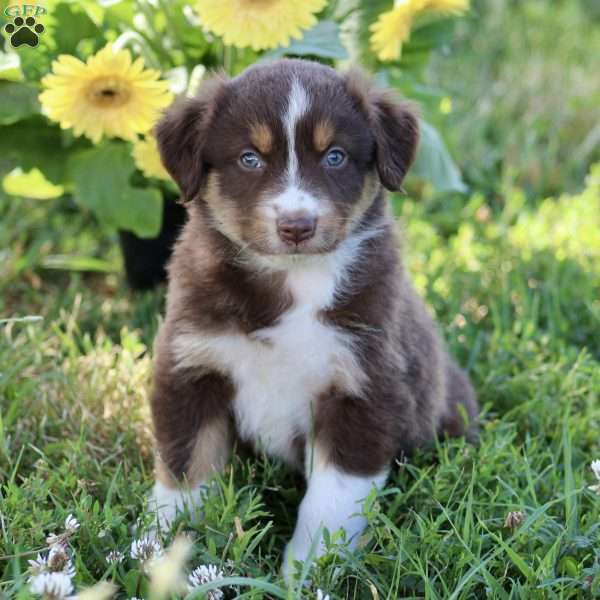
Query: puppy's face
point(288, 157)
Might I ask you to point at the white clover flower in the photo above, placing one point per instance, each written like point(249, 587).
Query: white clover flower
point(114, 557)
point(51, 586)
point(596, 470)
point(39, 565)
point(321, 595)
point(205, 574)
point(57, 560)
point(53, 539)
point(71, 524)
point(146, 549)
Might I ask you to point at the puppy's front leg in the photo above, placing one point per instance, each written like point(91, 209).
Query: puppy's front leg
point(334, 501)
point(190, 410)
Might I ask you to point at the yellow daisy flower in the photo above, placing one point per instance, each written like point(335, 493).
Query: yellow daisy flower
point(452, 7)
point(392, 28)
point(147, 158)
point(108, 95)
point(258, 24)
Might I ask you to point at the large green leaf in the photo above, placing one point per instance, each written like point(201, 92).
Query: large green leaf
point(322, 40)
point(19, 100)
point(101, 177)
point(34, 143)
point(434, 163)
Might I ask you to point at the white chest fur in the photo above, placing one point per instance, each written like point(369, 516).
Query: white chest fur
point(280, 371)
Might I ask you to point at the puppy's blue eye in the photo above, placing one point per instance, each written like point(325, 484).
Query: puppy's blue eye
point(335, 158)
point(250, 160)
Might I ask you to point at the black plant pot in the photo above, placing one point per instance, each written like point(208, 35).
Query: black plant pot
point(146, 258)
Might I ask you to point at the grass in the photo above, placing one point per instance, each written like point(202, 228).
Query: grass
point(514, 278)
point(525, 103)
point(518, 296)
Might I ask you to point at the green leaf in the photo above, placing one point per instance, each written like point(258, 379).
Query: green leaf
point(430, 34)
point(68, 262)
point(34, 143)
point(101, 177)
point(19, 100)
point(434, 163)
point(71, 24)
point(322, 40)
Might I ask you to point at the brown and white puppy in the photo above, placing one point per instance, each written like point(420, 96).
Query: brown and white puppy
point(290, 322)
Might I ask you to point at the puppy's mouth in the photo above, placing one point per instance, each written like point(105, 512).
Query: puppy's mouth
point(306, 248)
point(272, 247)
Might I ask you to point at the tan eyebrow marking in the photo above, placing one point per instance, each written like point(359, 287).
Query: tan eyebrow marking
point(262, 137)
point(323, 135)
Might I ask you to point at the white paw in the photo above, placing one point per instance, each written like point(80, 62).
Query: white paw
point(167, 502)
point(300, 548)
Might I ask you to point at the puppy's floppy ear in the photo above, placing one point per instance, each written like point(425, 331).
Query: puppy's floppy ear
point(394, 124)
point(181, 135)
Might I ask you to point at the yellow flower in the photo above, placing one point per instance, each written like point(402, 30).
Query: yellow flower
point(147, 158)
point(452, 7)
point(392, 28)
point(259, 24)
point(108, 95)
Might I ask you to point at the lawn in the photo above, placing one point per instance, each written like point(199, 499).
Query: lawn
point(511, 269)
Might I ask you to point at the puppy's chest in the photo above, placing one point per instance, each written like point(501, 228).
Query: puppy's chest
point(283, 370)
point(279, 371)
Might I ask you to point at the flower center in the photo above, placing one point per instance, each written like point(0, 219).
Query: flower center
point(108, 92)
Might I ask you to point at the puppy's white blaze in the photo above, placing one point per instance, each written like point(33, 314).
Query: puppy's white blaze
point(295, 200)
point(333, 501)
point(167, 502)
point(297, 107)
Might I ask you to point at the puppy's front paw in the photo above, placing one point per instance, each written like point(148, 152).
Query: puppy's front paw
point(166, 503)
point(300, 549)
point(288, 567)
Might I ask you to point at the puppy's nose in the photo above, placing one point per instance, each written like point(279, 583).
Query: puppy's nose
point(297, 229)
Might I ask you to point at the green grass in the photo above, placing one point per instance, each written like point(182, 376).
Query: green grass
point(517, 293)
point(514, 279)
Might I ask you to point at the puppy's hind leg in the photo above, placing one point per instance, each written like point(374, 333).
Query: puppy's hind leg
point(461, 409)
point(193, 435)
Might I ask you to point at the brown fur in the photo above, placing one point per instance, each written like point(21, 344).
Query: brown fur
point(323, 135)
point(261, 137)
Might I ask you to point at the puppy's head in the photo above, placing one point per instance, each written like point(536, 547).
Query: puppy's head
point(288, 157)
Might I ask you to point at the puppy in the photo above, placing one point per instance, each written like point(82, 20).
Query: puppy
point(290, 322)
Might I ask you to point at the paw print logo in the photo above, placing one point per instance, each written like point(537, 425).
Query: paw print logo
point(24, 31)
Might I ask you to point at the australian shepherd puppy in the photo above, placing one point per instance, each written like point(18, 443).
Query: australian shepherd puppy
point(291, 323)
